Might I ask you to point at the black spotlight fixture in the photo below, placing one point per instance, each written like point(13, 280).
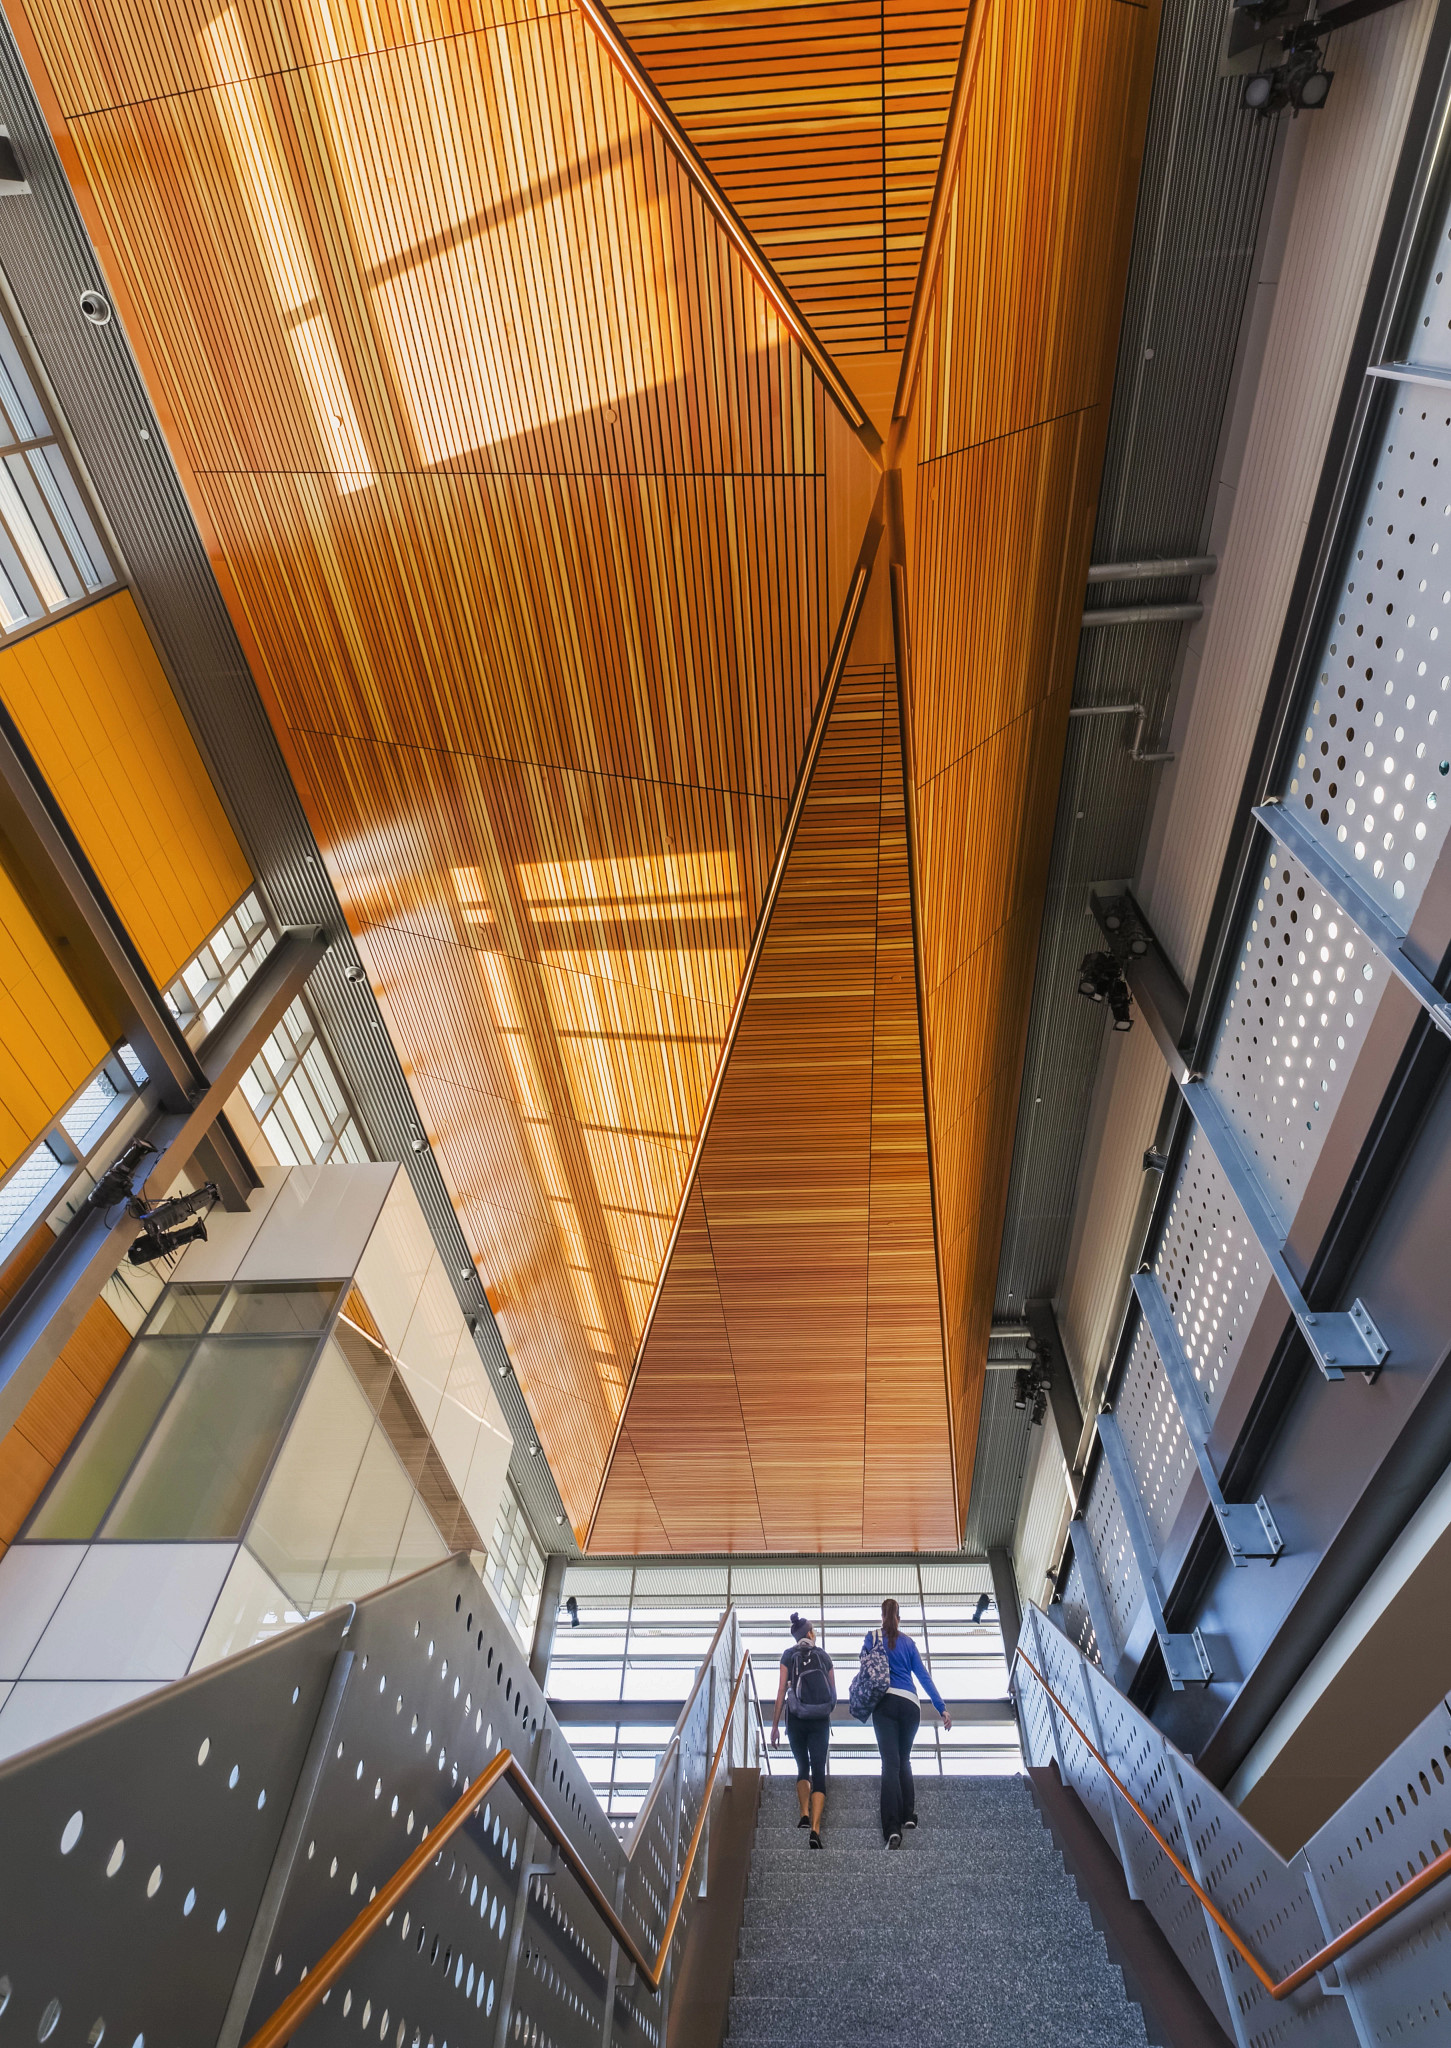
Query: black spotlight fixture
point(1299, 82)
point(1030, 1391)
point(1100, 980)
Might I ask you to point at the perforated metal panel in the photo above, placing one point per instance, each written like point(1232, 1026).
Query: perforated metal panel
point(1306, 988)
point(1266, 1901)
point(1154, 1433)
point(1398, 1821)
point(1372, 776)
point(1210, 1267)
point(181, 1803)
point(1118, 1573)
point(1076, 1618)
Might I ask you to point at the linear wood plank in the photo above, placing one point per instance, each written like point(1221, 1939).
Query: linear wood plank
point(792, 1391)
point(824, 127)
point(1003, 444)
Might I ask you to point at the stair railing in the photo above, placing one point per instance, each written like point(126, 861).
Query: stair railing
point(319, 1981)
point(183, 1866)
point(1371, 1863)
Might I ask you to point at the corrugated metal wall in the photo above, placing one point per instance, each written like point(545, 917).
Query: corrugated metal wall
point(47, 260)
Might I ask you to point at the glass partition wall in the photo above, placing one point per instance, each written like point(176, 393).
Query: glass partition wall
point(257, 1413)
point(643, 1629)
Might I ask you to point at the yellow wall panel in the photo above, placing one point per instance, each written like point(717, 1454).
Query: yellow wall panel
point(49, 1043)
point(95, 709)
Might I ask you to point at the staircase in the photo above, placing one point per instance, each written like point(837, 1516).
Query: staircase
point(971, 1936)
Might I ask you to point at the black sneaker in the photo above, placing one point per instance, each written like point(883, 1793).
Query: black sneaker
point(815, 1842)
point(910, 1821)
point(805, 1821)
point(894, 1841)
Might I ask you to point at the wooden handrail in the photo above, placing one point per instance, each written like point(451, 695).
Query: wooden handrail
point(1322, 1959)
point(315, 1986)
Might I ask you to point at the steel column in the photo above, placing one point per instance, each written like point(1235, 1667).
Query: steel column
point(1248, 1530)
point(1005, 1592)
point(1185, 1658)
point(550, 1594)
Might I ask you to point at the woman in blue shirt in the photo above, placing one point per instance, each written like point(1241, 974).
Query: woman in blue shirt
point(895, 1721)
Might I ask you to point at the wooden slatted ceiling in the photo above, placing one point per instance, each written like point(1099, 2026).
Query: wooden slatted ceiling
point(532, 516)
point(1001, 458)
point(94, 707)
point(791, 1393)
point(824, 127)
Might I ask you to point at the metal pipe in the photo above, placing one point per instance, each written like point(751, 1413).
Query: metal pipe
point(1136, 751)
point(1151, 571)
point(1143, 614)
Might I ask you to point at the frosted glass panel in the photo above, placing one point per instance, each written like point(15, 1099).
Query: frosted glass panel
point(287, 1306)
point(197, 1477)
point(87, 1482)
point(371, 1528)
point(294, 1527)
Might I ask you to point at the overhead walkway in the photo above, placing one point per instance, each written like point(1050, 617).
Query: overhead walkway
point(372, 1828)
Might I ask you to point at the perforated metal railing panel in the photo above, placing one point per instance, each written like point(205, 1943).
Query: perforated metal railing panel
point(1305, 990)
point(136, 1852)
point(1211, 1270)
point(1398, 1821)
point(1370, 777)
point(1398, 1980)
point(439, 1685)
point(154, 1834)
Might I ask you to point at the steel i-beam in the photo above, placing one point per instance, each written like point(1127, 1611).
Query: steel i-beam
point(1248, 1528)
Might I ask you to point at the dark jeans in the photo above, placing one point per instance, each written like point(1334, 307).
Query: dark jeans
point(808, 1740)
point(895, 1723)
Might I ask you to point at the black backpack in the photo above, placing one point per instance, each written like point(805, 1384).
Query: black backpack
point(809, 1697)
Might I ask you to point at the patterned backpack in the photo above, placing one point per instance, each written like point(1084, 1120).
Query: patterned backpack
point(872, 1682)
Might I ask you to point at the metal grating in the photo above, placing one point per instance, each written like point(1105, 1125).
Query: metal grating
point(1370, 778)
point(48, 262)
point(1307, 985)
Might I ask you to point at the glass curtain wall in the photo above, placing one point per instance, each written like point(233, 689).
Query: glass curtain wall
point(644, 1629)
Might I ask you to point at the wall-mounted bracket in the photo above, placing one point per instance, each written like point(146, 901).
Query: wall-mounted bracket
point(1340, 1341)
point(1248, 1528)
point(1341, 886)
point(1185, 1658)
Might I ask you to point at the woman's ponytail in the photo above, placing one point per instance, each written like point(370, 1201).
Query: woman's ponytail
point(891, 1615)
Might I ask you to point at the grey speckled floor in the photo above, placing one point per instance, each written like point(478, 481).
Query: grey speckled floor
point(971, 1936)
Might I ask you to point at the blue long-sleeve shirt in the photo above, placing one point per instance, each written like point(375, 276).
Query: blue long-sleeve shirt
point(904, 1660)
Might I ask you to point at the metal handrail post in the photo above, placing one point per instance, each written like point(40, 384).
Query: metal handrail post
point(1344, 1988)
point(529, 1869)
point(665, 1963)
point(1123, 1848)
point(1216, 1938)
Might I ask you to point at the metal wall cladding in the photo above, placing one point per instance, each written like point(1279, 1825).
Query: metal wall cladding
point(48, 262)
point(1370, 778)
point(1042, 1519)
point(1306, 987)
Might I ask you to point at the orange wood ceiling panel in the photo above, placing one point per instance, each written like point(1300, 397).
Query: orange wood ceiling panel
point(791, 1393)
point(824, 127)
point(1009, 378)
point(527, 504)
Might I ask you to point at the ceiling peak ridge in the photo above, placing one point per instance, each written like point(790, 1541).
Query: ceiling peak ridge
point(734, 228)
point(836, 664)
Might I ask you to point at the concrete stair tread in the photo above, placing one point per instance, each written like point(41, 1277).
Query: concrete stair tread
point(973, 1928)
